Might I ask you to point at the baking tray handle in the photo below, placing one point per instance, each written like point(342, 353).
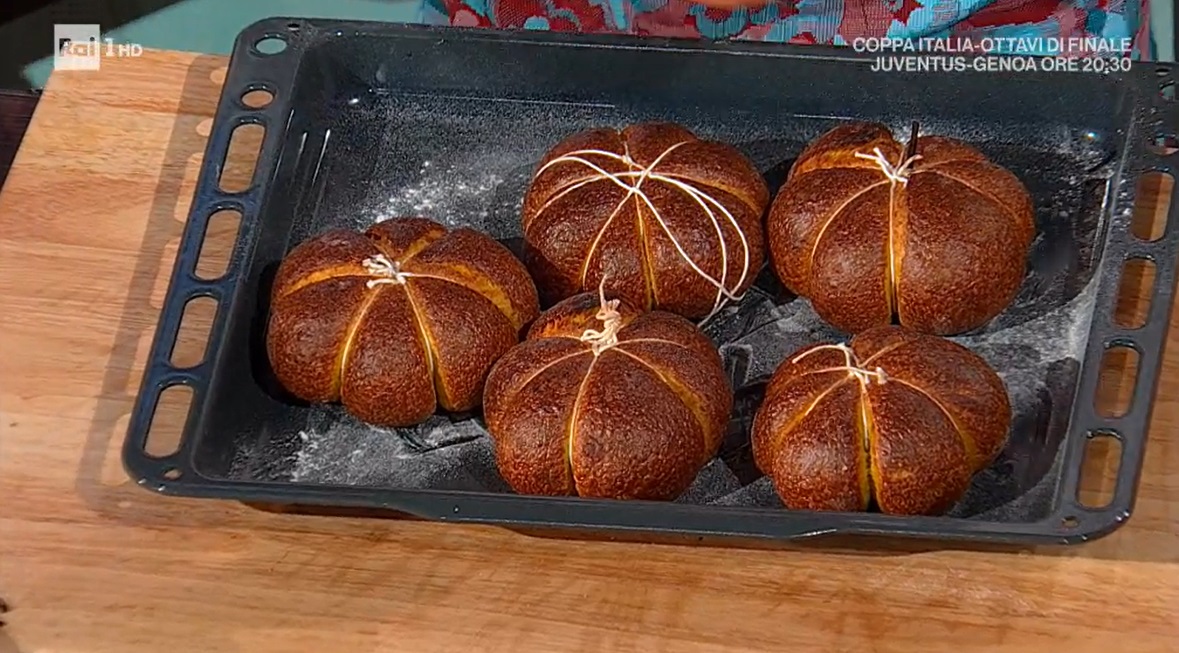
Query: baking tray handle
point(233, 111)
point(1156, 151)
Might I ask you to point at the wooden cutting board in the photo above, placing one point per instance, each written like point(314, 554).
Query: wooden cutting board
point(89, 222)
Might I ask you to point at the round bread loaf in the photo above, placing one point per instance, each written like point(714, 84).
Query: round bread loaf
point(935, 238)
point(899, 419)
point(602, 400)
point(671, 221)
point(397, 320)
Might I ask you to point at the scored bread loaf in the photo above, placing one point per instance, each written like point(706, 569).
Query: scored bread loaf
point(670, 221)
point(935, 238)
point(896, 418)
point(602, 400)
point(397, 320)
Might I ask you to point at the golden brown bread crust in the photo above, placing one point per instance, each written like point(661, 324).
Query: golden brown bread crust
point(635, 421)
point(943, 253)
point(699, 203)
point(393, 346)
point(908, 425)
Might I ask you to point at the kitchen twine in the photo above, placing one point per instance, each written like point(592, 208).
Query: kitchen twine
point(896, 174)
point(611, 320)
point(384, 271)
point(632, 180)
point(864, 376)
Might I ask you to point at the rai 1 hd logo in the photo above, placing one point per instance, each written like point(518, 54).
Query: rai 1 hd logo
point(81, 47)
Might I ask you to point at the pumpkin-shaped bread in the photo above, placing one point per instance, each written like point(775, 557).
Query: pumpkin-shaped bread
point(602, 400)
point(935, 237)
point(670, 221)
point(398, 320)
point(896, 418)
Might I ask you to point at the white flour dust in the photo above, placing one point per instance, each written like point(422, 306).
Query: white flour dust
point(445, 196)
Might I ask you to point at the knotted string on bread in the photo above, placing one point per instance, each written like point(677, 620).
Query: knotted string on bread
point(715, 236)
point(930, 235)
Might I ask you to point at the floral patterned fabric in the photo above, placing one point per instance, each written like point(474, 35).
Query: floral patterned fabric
point(828, 22)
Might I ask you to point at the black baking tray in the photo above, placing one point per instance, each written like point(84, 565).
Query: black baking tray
point(371, 121)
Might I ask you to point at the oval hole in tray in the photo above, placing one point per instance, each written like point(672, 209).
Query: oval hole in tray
point(1151, 205)
point(1134, 293)
point(270, 45)
point(167, 421)
point(217, 244)
point(1099, 470)
point(241, 158)
point(193, 336)
point(257, 98)
point(1115, 387)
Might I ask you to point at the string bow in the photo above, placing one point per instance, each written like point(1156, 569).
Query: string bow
point(863, 375)
point(898, 174)
point(607, 337)
point(384, 271)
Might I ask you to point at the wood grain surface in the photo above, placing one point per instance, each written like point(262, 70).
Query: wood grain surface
point(89, 222)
